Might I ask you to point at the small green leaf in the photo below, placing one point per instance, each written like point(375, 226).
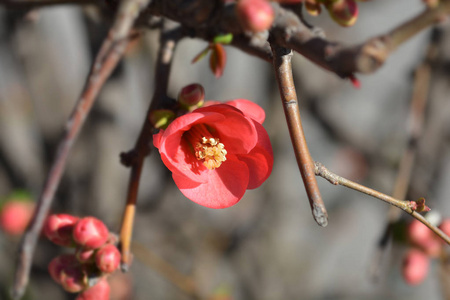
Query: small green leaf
point(223, 39)
point(161, 118)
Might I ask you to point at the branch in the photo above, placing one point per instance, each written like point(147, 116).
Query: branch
point(364, 58)
point(101, 70)
point(407, 206)
point(283, 70)
point(416, 120)
point(207, 18)
point(169, 36)
point(109, 55)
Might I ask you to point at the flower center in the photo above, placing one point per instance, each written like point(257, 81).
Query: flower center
point(207, 148)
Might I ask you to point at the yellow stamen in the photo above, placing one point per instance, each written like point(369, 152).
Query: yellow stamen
point(207, 148)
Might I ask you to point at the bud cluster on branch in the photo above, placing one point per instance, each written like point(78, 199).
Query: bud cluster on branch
point(95, 256)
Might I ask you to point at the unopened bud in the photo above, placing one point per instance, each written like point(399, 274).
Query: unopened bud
point(422, 237)
point(415, 267)
point(90, 233)
point(100, 291)
point(313, 8)
point(344, 12)
point(67, 271)
point(421, 206)
point(58, 229)
point(85, 256)
point(15, 216)
point(58, 263)
point(445, 226)
point(255, 15)
point(192, 96)
point(74, 279)
point(107, 258)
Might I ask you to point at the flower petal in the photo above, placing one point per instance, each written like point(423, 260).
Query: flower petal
point(236, 131)
point(250, 109)
point(260, 160)
point(224, 187)
point(175, 151)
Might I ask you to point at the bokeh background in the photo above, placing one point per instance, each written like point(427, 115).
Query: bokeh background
point(267, 247)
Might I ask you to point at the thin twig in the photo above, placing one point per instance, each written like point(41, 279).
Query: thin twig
point(170, 34)
point(414, 132)
point(109, 55)
point(283, 70)
point(407, 206)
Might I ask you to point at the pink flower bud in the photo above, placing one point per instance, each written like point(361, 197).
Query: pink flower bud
point(15, 216)
point(445, 226)
point(57, 264)
point(74, 279)
point(90, 232)
point(415, 267)
point(107, 258)
point(58, 229)
point(422, 237)
point(418, 232)
point(100, 291)
point(255, 15)
point(192, 96)
point(67, 271)
point(344, 12)
point(85, 256)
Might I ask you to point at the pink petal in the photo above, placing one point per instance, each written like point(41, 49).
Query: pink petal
point(157, 139)
point(175, 151)
point(235, 131)
point(211, 102)
point(224, 187)
point(184, 161)
point(260, 160)
point(250, 109)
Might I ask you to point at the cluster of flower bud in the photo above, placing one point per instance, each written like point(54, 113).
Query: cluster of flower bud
point(95, 256)
point(425, 245)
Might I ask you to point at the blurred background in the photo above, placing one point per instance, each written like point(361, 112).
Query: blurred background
point(267, 247)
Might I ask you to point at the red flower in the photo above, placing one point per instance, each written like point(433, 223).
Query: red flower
point(217, 152)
